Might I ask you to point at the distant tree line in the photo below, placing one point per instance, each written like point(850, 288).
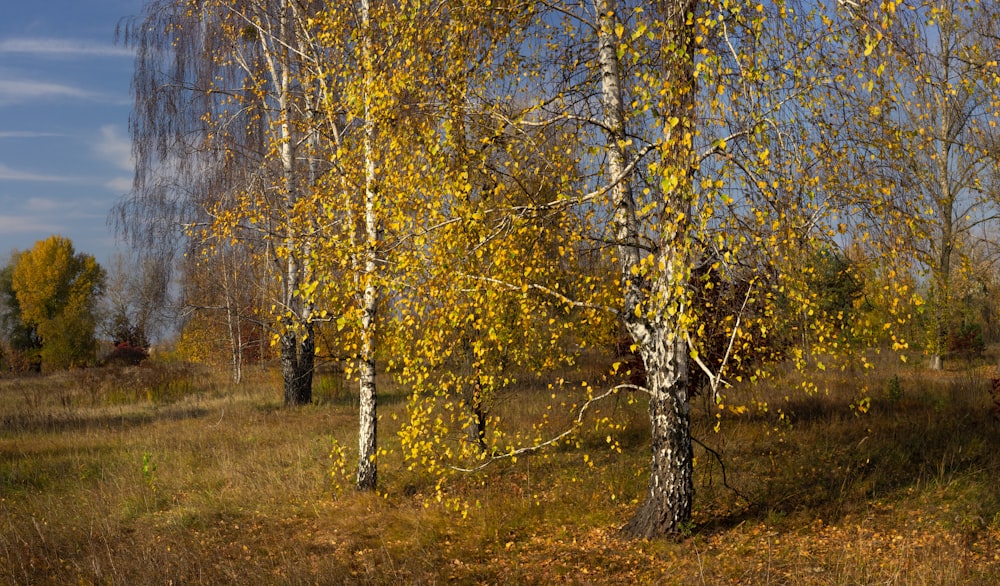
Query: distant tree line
point(56, 303)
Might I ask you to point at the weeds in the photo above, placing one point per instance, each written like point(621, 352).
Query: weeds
point(995, 396)
point(149, 470)
point(894, 391)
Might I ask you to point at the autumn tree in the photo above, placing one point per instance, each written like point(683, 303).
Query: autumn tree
point(288, 130)
point(475, 327)
point(695, 169)
point(924, 127)
point(226, 147)
point(732, 183)
point(57, 290)
point(22, 345)
point(380, 72)
point(459, 170)
point(223, 306)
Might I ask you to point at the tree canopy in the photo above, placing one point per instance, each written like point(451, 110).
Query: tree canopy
point(56, 290)
point(474, 192)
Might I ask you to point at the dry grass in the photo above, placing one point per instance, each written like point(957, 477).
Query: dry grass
point(177, 477)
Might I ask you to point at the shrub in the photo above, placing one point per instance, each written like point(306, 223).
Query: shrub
point(126, 354)
point(967, 340)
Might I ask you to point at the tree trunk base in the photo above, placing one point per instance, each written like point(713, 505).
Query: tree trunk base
point(651, 521)
point(297, 363)
point(667, 508)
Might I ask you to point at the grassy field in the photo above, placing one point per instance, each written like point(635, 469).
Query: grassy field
point(166, 474)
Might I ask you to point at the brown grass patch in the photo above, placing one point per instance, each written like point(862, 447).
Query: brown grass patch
point(218, 484)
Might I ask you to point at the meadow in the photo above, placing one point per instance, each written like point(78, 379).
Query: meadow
point(168, 474)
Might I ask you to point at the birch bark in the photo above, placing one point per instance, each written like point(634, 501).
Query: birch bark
point(648, 292)
point(368, 430)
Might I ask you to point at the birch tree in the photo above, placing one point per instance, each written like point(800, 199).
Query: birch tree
point(225, 143)
point(697, 164)
point(737, 190)
point(926, 125)
point(368, 416)
point(385, 163)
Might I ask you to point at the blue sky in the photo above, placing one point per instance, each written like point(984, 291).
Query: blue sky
point(64, 108)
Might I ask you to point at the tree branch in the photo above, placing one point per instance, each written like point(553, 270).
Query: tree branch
point(546, 290)
point(715, 379)
point(718, 457)
point(554, 440)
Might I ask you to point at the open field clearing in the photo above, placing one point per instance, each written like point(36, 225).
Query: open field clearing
point(605, 291)
point(177, 477)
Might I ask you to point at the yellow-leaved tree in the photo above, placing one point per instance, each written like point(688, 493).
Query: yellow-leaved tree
point(688, 157)
point(379, 67)
point(920, 131)
point(481, 191)
point(57, 290)
point(226, 134)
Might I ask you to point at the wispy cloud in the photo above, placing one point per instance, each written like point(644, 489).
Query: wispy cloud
point(82, 218)
point(62, 48)
point(42, 205)
point(17, 90)
point(26, 134)
point(10, 174)
point(119, 184)
point(115, 147)
point(27, 225)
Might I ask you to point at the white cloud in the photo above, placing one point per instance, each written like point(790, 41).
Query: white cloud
point(10, 174)
point(114, 147)
point(27, 225)
point(63, 48)
point(15, 90)
point(119, 184)
point(41, 205)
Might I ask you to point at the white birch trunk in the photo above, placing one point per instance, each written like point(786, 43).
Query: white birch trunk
point(368, 430)
point(941, 270)
point(659, 341)
point(296, 340)
point(233, 319)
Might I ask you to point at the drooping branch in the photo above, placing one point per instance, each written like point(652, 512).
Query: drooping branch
point(569, 432)
point(543, 289)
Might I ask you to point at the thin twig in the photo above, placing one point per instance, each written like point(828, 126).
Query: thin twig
point(715, 379)
point(546, 290)
point(718, 457)
point(554, 440)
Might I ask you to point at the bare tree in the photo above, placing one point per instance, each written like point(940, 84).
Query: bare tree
point(137, 304)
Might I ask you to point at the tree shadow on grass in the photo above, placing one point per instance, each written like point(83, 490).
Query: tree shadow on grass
point(825, 461)
point(77, 420)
